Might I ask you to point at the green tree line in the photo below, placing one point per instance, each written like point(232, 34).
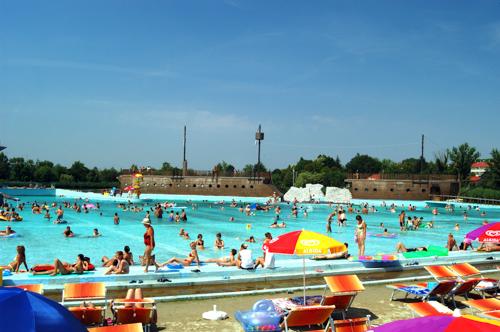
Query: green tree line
point(324, 169)
point(20, 170)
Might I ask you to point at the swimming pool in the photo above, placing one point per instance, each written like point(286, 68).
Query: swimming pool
point(44, 240)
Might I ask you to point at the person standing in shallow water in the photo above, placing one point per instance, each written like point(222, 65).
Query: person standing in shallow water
point(360, 235)
point(116, 219)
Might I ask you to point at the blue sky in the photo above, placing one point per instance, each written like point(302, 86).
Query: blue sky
point(112, 83)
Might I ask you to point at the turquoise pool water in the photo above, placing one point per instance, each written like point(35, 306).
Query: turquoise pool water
point(44, 241)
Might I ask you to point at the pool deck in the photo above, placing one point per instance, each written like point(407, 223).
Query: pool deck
point(214, 279)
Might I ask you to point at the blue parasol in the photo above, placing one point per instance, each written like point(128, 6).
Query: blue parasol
point(24, 311)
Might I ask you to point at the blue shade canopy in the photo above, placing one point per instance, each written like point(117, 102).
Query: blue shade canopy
point(24, 311)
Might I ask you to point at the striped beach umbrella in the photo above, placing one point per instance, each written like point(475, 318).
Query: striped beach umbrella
point(487, 233)
point(304, 243)
point(443, 323)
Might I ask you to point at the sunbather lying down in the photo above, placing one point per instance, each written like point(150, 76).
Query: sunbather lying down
point(79, 267)
point(400, 247)
point(489, 246)
point(337, 255)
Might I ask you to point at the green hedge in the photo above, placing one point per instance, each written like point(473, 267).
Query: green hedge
point(480, 192)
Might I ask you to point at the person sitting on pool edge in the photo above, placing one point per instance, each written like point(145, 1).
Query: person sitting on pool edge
point(19, 260)
point(245, 260)
point(121, 267)
point(338, 255)
point(400, 247)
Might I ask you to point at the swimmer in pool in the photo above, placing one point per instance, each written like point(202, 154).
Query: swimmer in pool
point(219, 242)
point(251, 239)
point(68, 232)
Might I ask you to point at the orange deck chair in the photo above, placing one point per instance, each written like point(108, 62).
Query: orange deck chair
point(309, 316)
point(490, 304)
point(351, 325)
point(89, 291)
point(463, 288)
point(485, 285)
point(344, 289)
point(441, 272)
point(127, 311)
point(118, 328)
point(491, 314)
point(35, 288)
point(430, 308)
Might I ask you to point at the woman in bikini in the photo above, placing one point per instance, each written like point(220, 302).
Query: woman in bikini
point(19, 260)
point(65, 268)
point(192, 257)
point(360, 235)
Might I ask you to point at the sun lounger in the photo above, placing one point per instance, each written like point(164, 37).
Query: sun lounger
point(309, 316)
point(462, 288)
point(490, 304)
point(491, 314)
point(118, 328)
point(460, 272)
point(129, 311)
point(35, 288)
point(485, 285)
point(441, 272)
point(430, 308)
point(351, 325)
point(425, 290)
point(92, 291)
point(344, 289)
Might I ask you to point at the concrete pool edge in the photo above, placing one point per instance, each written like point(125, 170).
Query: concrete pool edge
point(214, 281)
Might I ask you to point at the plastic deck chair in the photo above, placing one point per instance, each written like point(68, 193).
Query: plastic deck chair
point(422, 290)
point(465, 270)
point(344, 289)
point(491, 314)
point(309, 316)
point(482, 305)
point(485, 285)
point(129, 314)
point(90, 291)
point(430, 308)
point(35, 288)
point(118, 328)
point(351, 325)
point(463, 288)
point(441, 272)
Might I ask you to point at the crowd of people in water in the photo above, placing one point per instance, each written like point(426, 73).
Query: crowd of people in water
point(242, 258)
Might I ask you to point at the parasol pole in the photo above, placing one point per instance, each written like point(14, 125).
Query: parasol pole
point(304, 277)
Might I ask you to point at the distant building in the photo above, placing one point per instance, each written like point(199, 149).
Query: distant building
point(477, 170)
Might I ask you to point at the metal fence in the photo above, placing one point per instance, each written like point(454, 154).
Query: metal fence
point(466, 199)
